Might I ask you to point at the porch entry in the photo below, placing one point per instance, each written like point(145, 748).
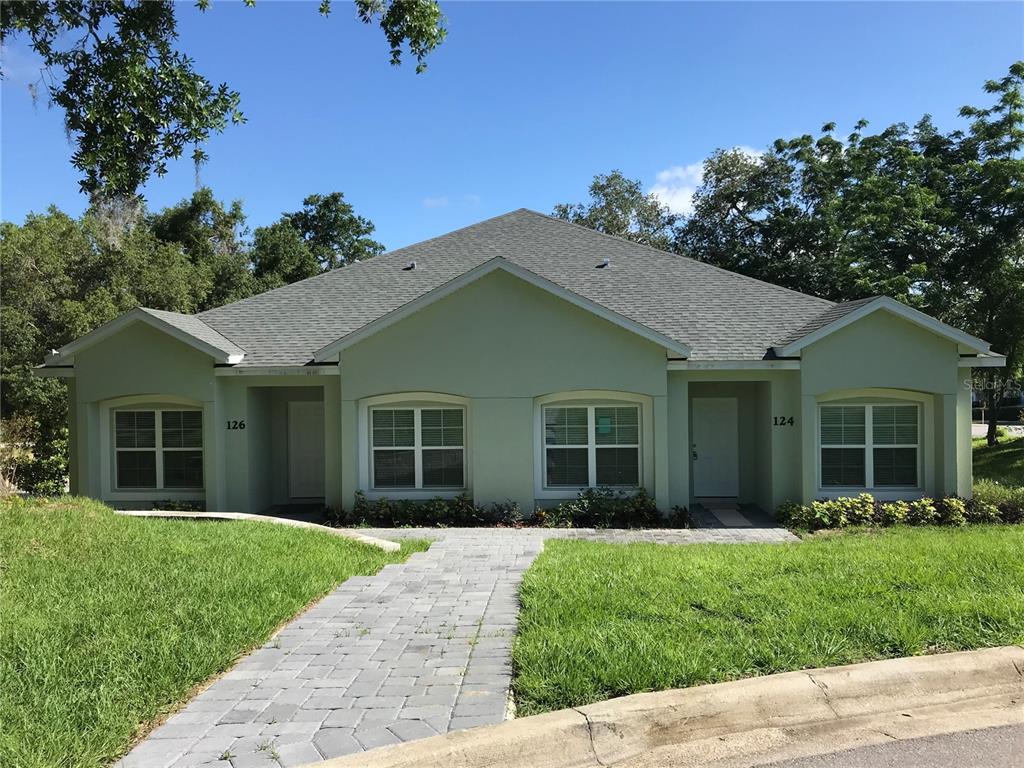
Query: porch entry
point(306, 449)
point(715, 449)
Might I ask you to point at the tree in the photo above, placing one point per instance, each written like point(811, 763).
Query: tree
point(332, 231)
point(208, 233)
point(280, 256)
point(618, 206)
point(132, 102)
point(980, 174)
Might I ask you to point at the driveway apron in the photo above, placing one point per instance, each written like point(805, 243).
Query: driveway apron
point(418, 649)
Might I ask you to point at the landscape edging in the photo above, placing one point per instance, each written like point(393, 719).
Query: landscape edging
point(617, 729)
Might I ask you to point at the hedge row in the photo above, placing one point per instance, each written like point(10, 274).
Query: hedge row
point(988, 506)
point(592, 508)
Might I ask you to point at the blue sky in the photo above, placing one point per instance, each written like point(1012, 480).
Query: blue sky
point(525, 102)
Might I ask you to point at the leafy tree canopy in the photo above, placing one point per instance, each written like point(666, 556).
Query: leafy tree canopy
point(618, 206)
point(132, 102)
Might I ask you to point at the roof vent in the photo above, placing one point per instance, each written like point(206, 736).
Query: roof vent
point(605, 263)
point(409, 267)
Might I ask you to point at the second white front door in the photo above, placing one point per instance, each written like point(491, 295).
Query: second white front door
point(305, 449)
point(715, 437)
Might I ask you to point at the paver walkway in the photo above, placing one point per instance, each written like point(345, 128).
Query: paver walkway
point(418, 649)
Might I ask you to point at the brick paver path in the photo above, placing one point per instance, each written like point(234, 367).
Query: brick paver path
point(418, 649)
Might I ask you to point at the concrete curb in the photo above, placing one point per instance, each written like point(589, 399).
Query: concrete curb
point(347, 533)
point(620, 729)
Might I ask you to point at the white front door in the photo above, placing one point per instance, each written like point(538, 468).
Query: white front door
point(715, 433)
point(305, 449)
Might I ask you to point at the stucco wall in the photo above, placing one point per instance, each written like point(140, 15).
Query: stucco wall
point(878, 357)
point(502, 342)
point(143, 363)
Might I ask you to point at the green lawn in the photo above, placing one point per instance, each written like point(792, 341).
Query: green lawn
point(603, 620)
point(110, 621)
point(1002, 462)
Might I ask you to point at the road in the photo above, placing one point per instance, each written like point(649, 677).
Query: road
point(988, 748)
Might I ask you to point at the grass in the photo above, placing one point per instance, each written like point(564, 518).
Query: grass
point(109, 621)
point(604, 620)
point(1002, 463)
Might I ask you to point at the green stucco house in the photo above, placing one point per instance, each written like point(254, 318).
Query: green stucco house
point(522, 358)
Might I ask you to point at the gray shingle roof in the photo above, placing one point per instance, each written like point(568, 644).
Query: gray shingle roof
point(719, 314)
point(193, 325)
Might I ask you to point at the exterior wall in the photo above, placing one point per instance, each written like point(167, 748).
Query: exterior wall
point(502, 343)
point(503, 347)
point(884, 357)
point(143, 366)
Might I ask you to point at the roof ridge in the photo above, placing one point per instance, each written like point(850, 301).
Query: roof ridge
point(660, 252)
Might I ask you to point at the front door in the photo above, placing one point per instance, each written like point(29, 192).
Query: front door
point(305, 449)
point(715, 433)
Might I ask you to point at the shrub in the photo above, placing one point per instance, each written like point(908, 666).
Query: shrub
point(922, 512)
point(981, 511)
point(1008, 499)
point(952, 511)
point(788, 512)
point(830, 513)
point(679, 517)
point(893, 512)
point(603, 508)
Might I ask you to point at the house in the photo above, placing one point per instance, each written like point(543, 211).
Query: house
point(522, 358)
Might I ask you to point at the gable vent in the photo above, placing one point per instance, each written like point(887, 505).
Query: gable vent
point(605, 263)
point(409, 267)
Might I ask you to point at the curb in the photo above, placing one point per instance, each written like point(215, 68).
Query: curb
point(387, 546)
point(612, 731)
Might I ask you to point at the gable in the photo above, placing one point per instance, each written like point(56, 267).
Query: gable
point(840, 316)
point(880, 350)
point(188, 329)
point(501, 336)
point(524, 275)
point(138, 360)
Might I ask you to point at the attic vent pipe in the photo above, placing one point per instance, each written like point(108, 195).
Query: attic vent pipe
point(409, 267)
point(604, 264)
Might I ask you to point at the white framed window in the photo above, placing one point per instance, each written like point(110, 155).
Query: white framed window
point(591, 445)
point(157, 448)
point(869, 446)
point(417, 448)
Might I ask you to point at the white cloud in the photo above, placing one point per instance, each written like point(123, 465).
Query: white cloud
point(435, 202)
point(676, 186)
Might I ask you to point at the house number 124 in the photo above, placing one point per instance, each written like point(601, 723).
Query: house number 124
point(783, 421)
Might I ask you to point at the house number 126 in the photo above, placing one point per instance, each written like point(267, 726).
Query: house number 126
point(236, 424)
point(783, 421)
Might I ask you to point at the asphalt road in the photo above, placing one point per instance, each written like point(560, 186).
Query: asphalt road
point(989, 748)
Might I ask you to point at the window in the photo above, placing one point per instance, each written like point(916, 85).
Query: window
point(158, 449)
point(418, 448)
point(869, 446)
point(591, 445)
